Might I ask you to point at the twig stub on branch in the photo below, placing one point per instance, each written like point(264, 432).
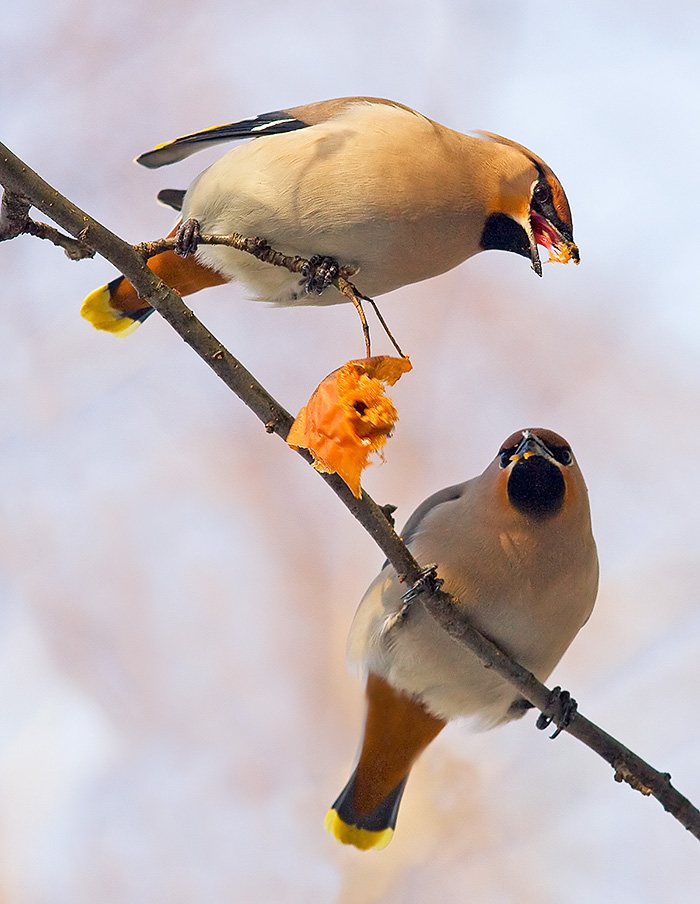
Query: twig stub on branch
point(15, 220)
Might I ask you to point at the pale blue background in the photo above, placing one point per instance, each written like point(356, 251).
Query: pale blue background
point(176, 588)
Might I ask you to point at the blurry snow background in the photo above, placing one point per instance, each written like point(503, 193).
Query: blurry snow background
point(176, 587)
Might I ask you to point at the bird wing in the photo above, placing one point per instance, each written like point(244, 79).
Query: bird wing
point(448, 494)
point(266, 124)
point(275, 123)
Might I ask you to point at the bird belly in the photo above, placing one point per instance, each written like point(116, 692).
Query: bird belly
point(426, 663)
point(532, 624)
point(332, 192)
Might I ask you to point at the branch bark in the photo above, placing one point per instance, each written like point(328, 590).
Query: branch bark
point(260, 249)
point(18, 179)
point(15, 220)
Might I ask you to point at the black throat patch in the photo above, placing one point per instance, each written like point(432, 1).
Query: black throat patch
point(536, 487)
point(502, 233)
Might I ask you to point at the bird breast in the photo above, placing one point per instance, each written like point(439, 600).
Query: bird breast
point(378, 187)
point(529, 602)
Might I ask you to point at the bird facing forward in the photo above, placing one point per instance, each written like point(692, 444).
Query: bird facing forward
point(515, 549)
point(359, 183)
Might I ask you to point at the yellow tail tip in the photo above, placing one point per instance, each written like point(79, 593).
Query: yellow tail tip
point(97, 309)
point(364, 839)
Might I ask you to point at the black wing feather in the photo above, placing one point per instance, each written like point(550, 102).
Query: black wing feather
point(267, 124)
point(172, 197)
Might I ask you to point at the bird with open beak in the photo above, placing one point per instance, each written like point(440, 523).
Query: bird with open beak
point(361, 184)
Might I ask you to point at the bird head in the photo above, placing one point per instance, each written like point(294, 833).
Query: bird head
point(531, 209)
point(541, 474)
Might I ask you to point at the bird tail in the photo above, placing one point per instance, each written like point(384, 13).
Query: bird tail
point(102, 308)
point(117, 308)
point(397, 729)
point(364, 830)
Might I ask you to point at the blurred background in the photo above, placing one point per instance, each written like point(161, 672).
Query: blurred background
point(176, 586)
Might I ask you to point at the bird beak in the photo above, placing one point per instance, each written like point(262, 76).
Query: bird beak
point(529, 446)
point(543, 232)
point(534, 253)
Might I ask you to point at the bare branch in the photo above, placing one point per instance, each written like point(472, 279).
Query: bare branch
point(258, 247)
point(14, 213)
point(15, 220)
point(20, 180)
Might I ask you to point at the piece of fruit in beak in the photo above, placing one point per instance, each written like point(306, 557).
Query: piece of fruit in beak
point(560, 249)
point(349, 416)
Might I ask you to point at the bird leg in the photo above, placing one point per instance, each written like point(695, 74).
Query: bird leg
point(561, 709)
point(187, 237)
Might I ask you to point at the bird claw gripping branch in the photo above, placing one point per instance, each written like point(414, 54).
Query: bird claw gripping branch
point(319, 273)
point(187, 237)
point(428, 582)
point(561, 709)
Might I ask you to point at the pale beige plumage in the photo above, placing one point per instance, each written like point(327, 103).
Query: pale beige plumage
point(409, 199)
point(368, 182)
point(514, 547)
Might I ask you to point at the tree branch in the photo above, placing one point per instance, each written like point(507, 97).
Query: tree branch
point(260, 249)
point(15, 220)
point(19, 180)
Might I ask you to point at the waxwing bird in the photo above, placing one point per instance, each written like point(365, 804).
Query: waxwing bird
point(357, 182)
point(515, 549)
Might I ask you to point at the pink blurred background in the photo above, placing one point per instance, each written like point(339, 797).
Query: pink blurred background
point(176, 587)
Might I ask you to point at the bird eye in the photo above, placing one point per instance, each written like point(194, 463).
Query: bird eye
point(563, 455)
point(542, 193)
point(505, 456)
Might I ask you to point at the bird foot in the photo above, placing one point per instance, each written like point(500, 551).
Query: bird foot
point(561, 709)
point(187, 237)
point(428, 582)
point(319, 272)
